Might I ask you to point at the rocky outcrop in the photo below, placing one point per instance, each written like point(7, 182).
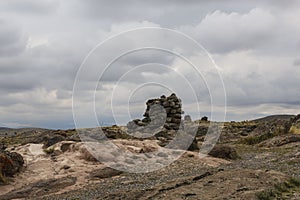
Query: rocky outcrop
point(10, 164)
point(281, 140)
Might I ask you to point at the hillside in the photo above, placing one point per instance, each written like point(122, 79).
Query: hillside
point(262, 154)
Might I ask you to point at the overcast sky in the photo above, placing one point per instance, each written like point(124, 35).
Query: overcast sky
point(255, 44)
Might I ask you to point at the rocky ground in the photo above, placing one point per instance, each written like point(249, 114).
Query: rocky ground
point(257, 159)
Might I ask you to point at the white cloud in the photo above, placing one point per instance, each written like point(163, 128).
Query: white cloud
point(222, 32)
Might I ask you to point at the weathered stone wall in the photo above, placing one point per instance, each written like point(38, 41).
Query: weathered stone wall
point(161, 112)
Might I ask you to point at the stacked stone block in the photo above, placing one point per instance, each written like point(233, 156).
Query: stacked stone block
point(161, 112)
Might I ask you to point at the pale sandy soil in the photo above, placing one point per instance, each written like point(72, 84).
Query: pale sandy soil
point(76, 161)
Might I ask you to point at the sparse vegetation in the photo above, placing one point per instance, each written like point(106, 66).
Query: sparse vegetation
point(256, 139)
point(49, 150)
point(294, 130)
point(266, 195)
point(280, 190)
point(295, 181)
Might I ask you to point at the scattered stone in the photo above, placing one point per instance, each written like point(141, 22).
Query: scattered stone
point(243, 133)
point(241, 189)
point(129, 161)
point(162, 154)
point(65, 167)
point(187, 118)
point(116, 132)
point(106, 172)
point(204, 118)
point(190, 194)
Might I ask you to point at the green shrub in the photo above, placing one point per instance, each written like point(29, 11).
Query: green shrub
point(49, 150)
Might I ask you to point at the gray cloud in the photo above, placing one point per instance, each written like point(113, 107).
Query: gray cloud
point(12, 40)
point(29, 6)
point(296, 62)
point(43, 43)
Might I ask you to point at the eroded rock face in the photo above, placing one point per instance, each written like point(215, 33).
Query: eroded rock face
point(10, 164)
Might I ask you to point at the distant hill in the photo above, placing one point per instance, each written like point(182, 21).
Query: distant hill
point(4, 131)
point(273, 117)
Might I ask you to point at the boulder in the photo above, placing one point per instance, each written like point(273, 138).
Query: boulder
point(52, 139)
point(10, 164)
point(224, 151)
point(106, 172)
point(204, 118)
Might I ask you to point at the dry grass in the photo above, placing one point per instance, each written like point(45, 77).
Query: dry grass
point(280, 190)
point(295, 130)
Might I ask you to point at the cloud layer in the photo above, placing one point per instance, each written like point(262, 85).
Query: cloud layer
point(255, 44)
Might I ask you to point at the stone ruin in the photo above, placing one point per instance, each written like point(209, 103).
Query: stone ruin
point(163, 121)
point(164, 112)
